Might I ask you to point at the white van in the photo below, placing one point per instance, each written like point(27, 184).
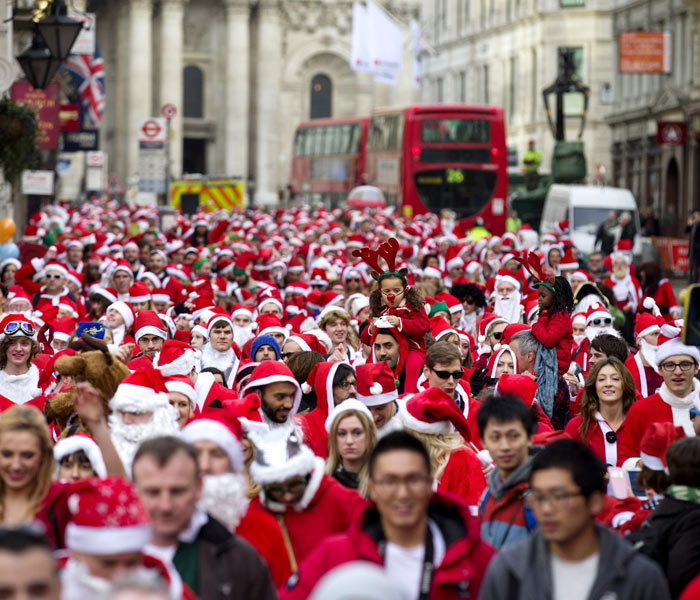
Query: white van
point(586, 207)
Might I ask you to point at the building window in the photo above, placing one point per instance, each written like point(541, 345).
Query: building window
point(193, 84)
point(534, 92)
point(486, 84)
point(321, 97)
point(440, 89)
point(513, 87)
point(463, 87)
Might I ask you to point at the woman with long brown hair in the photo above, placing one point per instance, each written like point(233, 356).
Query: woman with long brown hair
point(606, 398)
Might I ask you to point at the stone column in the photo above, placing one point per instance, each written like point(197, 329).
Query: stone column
point(237, 87)
point(139, 78)
point(268, 65)
point(170, 90)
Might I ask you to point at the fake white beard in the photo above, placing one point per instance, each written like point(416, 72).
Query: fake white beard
point(118, 334)
point(508, 307)
point(128, 438)
point(468, 321)
point(224, 498)
point(216, 359)
point(592, 332)
point(78, 584)
point(649, 353)
point(242, 333)
point(579, 338)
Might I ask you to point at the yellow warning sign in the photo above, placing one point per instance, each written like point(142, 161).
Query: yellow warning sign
point(214, 194)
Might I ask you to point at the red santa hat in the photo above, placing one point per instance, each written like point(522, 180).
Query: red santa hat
point(123, 265)
point(453, 303)
point(307, 343)
point(159, 295)
point(582, 275)
point(269, 324)
point(486, 323)
point(298, 288)
point(646, 323)
point(344, 407)
point(175, 358)
point(520, 386)
point(76, 278)
point(432, 272)
point(322, 337)
point(64, 328)
point(439, 328)
point(140, 392)
point(182, 384)
point(318, 277)
point(578, 319)
point(238, 310)
point(139, 292)
point(655, 442)
point(56, 267)
point(274, 371)
point(107, 518)
point(511, 329)
point(220, 426)
point(16, 325)
point(495, 357)
point(596, 311)
point(433, 412)
point(562, 227)
point(453, 263)
point(624, 246)
point(568, 262)
point(531, 308)
point(506, 276)
point(270, 300)
point(670, 344)
point(247, 409)
point(147, 322)
point(107, 293)
point(218, 318)
point(650, 304)
point(376, 384)
point(126, 312)
point(320, 381)
point(81, 441)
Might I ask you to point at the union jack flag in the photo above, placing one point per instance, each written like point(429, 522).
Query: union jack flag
point(86, 78)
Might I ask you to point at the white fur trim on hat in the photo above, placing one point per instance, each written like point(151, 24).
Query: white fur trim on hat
point(182, 365)
point(74, 443)
point(125, 311)
point(328, 309)
point(508, 279)
point(411, 422)
point(137, 399)
point(345, 406)
point(213, 431)
point(432, 272)
point(107, 540)
point(652, 462)
point(454, 262)
point(274, 301)
point(150, 330)
point(301, 464)
point(651, 329)
point(301, 343)
point(578, 319)
point(277, 379)
point(379, 399)
point(675, 347)
point(598, 314)
point(181, 387)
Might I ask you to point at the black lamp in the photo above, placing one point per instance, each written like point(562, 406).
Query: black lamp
point(59, 30)
point(38, 64)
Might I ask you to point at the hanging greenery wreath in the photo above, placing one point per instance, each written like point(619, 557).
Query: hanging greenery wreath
point(18, 130)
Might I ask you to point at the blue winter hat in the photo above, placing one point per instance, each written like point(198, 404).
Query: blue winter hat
point(265, 340)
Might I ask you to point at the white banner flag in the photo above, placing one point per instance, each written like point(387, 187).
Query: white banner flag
point(385, 44)
point(359, 56)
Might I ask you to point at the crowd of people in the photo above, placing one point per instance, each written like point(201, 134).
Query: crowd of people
point(307, 403)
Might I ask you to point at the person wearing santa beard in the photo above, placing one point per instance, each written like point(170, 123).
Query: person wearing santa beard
point(626, 289)
point(219, 351)
point(216, 434)
point(598, 321)
point(508, 297)
point(141, 410)
point(642, 365)
point(243, 326)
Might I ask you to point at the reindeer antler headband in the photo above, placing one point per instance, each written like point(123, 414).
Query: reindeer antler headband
point(388, 251)
point(531, 262)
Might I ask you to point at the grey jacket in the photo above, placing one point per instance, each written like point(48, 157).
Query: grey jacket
point(522, 572)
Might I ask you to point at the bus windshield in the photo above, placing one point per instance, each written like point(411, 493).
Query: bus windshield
point(455, 131)
point(464, 191)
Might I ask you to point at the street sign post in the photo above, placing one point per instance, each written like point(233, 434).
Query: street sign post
point(168, 111)
point(152, 137)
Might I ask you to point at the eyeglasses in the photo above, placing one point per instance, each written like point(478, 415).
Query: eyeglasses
point(346, 385)
point(390, 485)
point(387, 292)
point(292, 487)
point(605, 321)
point(14, 327)
point(286, 355)
point(54, 276)
point(557, 498)
point(496, 334)
point(456, 375)
point(670, 367)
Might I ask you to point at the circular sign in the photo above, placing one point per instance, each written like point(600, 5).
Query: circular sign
point(151, 128)
point(168, 111)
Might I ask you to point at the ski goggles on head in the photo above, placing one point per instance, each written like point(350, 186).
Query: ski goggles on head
point(19, 328)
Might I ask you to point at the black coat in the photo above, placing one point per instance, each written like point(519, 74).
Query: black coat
point(671, 537)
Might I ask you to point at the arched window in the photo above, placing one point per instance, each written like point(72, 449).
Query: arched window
point(193, 83)
point(321, 97)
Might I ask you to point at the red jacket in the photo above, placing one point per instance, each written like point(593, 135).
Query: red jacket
point(463, 476)
point(595, 439)
point(664, 297)
point(459, 574)
point(554, 331)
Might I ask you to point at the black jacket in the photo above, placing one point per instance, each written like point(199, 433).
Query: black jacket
point(671, 537)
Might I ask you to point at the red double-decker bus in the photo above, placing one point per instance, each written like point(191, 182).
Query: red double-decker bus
point(328, 159)
point(435, 157)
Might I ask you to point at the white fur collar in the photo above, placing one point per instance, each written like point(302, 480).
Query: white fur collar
point(677, 402)
point(20, 388)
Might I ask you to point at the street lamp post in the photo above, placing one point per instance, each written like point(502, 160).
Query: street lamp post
point(38, 64)
point(59, 30)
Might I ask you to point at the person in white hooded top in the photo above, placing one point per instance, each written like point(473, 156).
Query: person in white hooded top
point(19, 378)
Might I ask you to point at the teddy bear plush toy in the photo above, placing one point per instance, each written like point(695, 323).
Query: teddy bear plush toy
point(93, 363)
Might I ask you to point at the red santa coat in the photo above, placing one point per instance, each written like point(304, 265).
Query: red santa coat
point(643, 413)
point(326, 508)
point(595, 439)
point(554, 331)
point(665, 298)
point(313, 423)
point(627, 291)
point(459, 573)
point(414, 325)
point(646, 380)
point(463, 476)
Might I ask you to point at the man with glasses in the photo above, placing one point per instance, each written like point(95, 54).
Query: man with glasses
point(427, 543)
point(308, 504)
point(570, 557)
point(678, 365)
point(27, 566)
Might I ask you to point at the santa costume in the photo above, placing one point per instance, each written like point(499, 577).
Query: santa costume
point(376, 386)
point(19, 388)
point(647, 379)
point(273, 371)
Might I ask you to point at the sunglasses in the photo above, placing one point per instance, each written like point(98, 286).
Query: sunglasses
point(292, 487)
point(497, 334)
point(19, 326)
point(456, 375)
point(54, 276)
point(606, 321)
point(469, 301)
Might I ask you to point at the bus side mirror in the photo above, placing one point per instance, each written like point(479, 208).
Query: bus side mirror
point(691, 316)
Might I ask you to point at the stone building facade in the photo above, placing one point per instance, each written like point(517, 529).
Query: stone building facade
point(240, 73)
point(505, 52)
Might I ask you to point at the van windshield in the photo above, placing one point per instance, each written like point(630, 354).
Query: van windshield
point(588, 218)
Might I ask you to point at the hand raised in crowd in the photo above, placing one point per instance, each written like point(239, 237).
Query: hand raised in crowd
point(339, 354)
point(123, 353)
